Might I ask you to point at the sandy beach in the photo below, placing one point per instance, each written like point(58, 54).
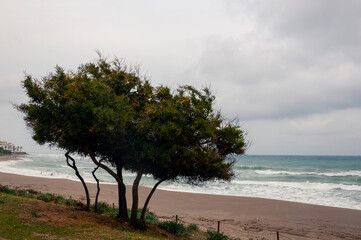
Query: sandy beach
point(241, 217)
point(9, 157)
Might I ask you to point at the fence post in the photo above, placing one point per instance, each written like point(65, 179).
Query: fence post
point(218, 228)
point(176, 218)
point(278, 235)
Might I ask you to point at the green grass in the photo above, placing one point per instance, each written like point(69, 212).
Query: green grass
point(28, 214)
point(18, 222)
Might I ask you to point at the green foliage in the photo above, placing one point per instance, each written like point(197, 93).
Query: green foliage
point(187, 138)
point(32, 192)
point(6, 189)
point(46, 197)
point(22, 193)
point(59, 199)
point(177, 229)
point(106, 110)
point(214, 235)
point(81, 111)
point(192, 227)
point(106, 209)
point(70, 202)
point(149, 218)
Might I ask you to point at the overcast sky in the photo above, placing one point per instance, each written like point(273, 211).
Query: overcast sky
point(288, 70)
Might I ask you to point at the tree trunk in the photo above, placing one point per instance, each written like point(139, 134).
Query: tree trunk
point(133, 218)
point(73, 166)
point(123, 209)
point(123, 214)
point(149, 197)
point(98, 190)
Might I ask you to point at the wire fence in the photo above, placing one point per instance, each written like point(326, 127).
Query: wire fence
point(279, 236)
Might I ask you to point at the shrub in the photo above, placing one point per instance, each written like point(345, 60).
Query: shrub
point(70, 201)
point(149, 217)
point(47, 197)
point(192, 227)
point(104, 207)
point(5, 189)
point(60, 199)
point(213, 235)
point(32, 192)
point(21, 193)
point(177, 229)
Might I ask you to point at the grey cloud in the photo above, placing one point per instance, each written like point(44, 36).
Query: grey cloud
point(327, 133)
point(317, 26)
point(299, 58)
point(258, 82)
point(284, 67)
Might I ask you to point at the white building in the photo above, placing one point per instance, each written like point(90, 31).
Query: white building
point(8, 146)
point(3, 144)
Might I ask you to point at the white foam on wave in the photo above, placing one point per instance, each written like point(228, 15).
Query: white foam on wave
point(331, 174)
point(47, 155)
point(302, 185)
point(335, 195)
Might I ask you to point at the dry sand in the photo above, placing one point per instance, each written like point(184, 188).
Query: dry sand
point(241, 217)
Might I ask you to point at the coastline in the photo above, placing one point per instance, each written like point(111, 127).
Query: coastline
point(9, 157)
point(243, 217)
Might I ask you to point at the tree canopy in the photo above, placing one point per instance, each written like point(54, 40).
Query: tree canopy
point(108, 112)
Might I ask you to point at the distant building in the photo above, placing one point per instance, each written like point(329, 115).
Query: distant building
point(9, 147)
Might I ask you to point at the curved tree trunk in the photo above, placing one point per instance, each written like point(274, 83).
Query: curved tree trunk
point(149, 197)
point(98, 190)
point(123, 214)
point(73, 166)
point(123, 209)
point(133, 217)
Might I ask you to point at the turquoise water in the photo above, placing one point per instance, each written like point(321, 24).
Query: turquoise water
point(323, 180)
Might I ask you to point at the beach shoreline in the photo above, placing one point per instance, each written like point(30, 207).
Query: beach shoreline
point(243, 217)
point(9, 157)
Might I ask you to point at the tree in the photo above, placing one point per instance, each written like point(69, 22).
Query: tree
point(72, 164)
point(184, 138)
point(98, 189)
point(83, 112)
point(106, 111)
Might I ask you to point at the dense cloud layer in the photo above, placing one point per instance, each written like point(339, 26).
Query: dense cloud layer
point(289, 70)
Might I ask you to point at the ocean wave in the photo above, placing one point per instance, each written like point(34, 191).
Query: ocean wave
point(249, 168)
point(329, 174)
point(302, 185)
point(47, 155)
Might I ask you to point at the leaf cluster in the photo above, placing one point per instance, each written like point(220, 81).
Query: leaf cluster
point(107, 109)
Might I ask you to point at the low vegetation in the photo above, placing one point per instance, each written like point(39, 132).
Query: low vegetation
point(178, 229)
point(29, 214)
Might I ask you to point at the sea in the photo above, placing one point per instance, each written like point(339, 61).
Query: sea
point(322, 180)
